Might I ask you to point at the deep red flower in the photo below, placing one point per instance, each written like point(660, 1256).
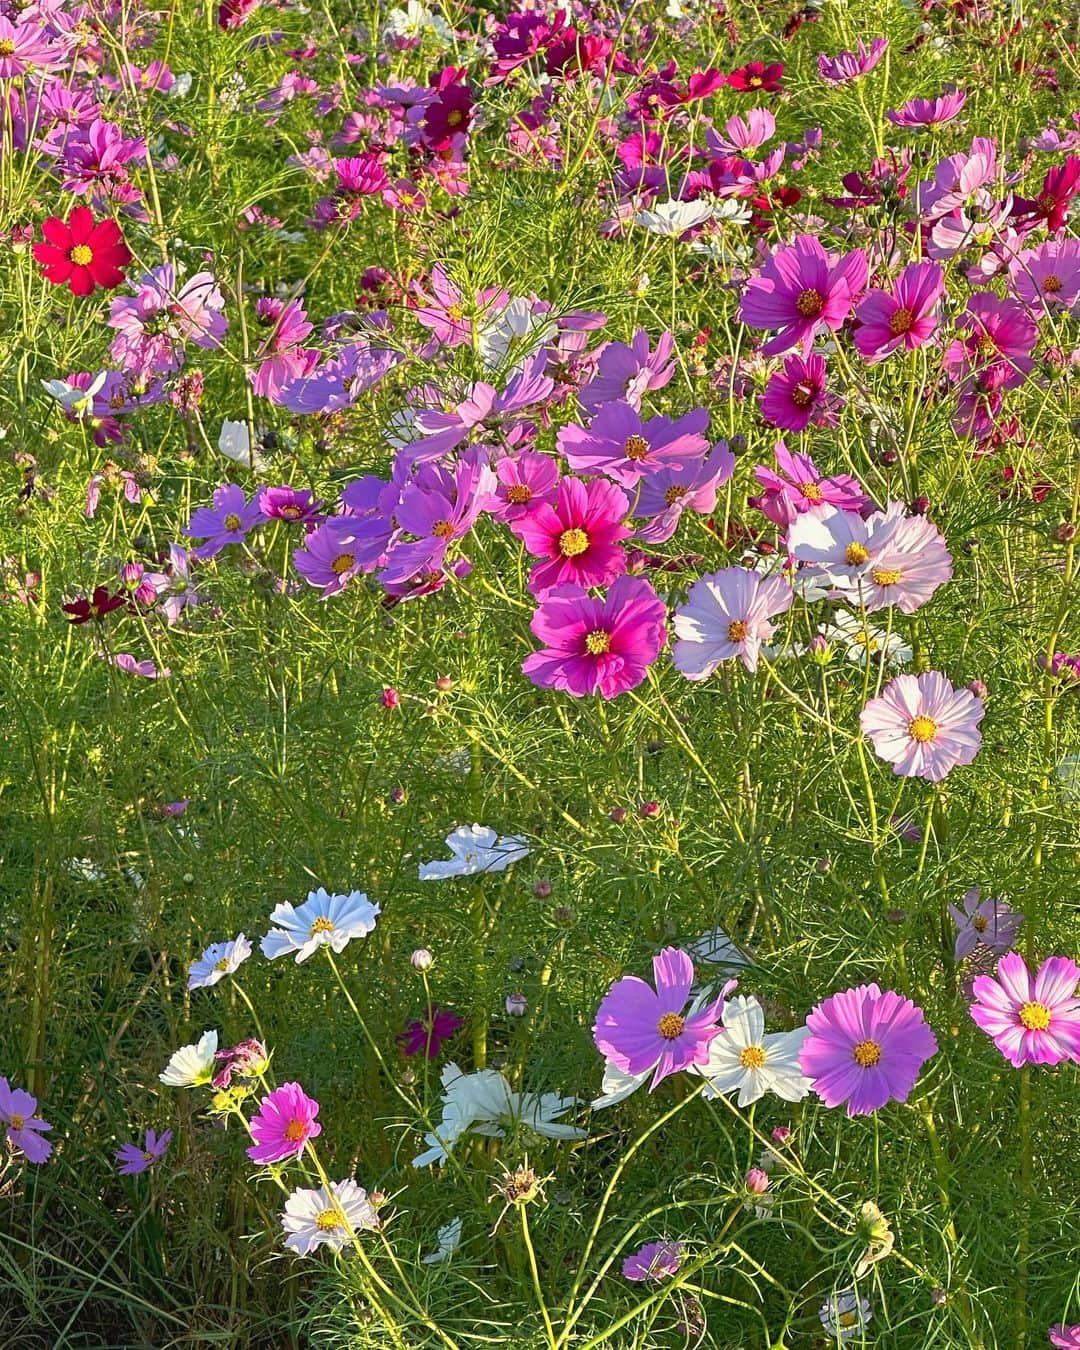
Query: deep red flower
point(79, 254)
point(95, 607)
point(449, 115)
point(1051, 206)
point(757, 78)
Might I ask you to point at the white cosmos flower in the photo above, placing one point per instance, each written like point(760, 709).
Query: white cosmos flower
point(449, 1238)
point(217, 961)
point(747, 1059)
point(674, 218)
point(321, 921)
point(476, 848)
point(861, 641)
point(234, 442)
point(484, 1103)
point(845, 1314)
point(412, 22)
point(715, 948)
point(518, 322)
point(617, 1085)
point(317, 1218)
point(73, 400)
point(192, 1065)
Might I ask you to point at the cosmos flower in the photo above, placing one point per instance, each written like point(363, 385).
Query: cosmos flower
point(627, 372)
point(248, 1059)
point(674, 218)
point(747, 1059)
point(1031, 1020)
point(192, 1065)
point(427, 1036)
point(863, 644)
point(578, 535)
point(798, 486)
point(323, 920)
point(796, 397)
point(322, 1217)
point(845, 1315)
point(449, 1239)
point(756, 77)
point(663, 496)
point(727, 614)
point(596, 645)
point(1065, 1338)
point(654, 1261)
point(989, 923)
point(228, 521)
point(283, 1125)
point(217, 961)
point(639, 1029)
point(907, 316)
point(134, 1158)
point(928, 112)
point(524, 481)
point(23, 1128)
point(865, 1048)
point(80, 254)
point(476, 849)
point(800, 292)
point(619, 444)
point(95, 606)
point(847, 66)
point(1047, 277)
point(922, 726)
point(294, 505)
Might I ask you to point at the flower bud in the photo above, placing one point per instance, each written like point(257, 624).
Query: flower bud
point(516, 1005)
point(756, 1181)
point(421, 959)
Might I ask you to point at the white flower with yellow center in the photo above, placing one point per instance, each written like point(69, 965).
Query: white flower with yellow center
point(747, 1059)
point(845, 1315)
point(863, 642)
point(217, 961)
point(327, 1217)
point(321, 921)
point(476, 848)
point(674, 218)
point(192, 1065)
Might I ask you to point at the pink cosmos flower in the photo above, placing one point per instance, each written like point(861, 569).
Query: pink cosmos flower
point(340, 548)
point(654, 1261)
point(998, 333)
point(639, 1029)
point(849, 66)
point(802, 291)
point(906, 317)
point(988, 923)
point(24, 49)
point(524, 481)
point(578, 535)
point(629, 372)
point(796, 397)
point(283, 1125)
point(663, 496)
point(281, 357)
point(618, 443)
point(923, 726)
point(928, 112)
point(1031, 1021)
point(743, 135)
point(799, 487)
point(593, 645)
point(1047, 277)
point(727, 614)
point(443, 311)
point(866, 1047)
point(1065, 1338)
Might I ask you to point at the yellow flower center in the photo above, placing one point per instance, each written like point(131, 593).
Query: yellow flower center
point(597, 642)
point(17, 1121)
point(455, 118)
point(635, 448)
point(848, 1319)
point(7, 46)
point(980, 923)
point(342, 563)
point(223, 964)
point(148, 1156)
point(456, 313)
point(753, 1057)
point(811, 491)
point(802, 395)
point(810, 303)
point(81, 255)
point(573, 542)
point(864, 638)
point(737, 631)
point(1035, 1016)
point(901, 322)
point(321, 925)
point(885, 576)
point(866, 1054)
point(922, 728)
point(856, 554)
point(670, 1026)
point(327, 1221)
point(295, 1131)
point(442, 529)
point(232, 521)
point(291, 512)
point(517, 494)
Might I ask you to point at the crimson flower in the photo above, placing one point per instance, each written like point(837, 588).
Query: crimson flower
point(757, 77)
point(95, 606)
point(81, 255)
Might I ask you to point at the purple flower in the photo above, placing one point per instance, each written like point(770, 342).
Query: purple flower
point(848, 66)
point(639, 1029)
point(287, 503)
point(988, 923)
point(997, 333)
point(618, 443)
point(865, 1048)
point(283, 1125)
point(629, 372)
point(663, 496)
point(340, 548)
point(226, 522)
point(131, 665)
point(1031, 1021)
point(800, 292)
point(443, 312)
point(22, 1127)
point(928, 112)
point(1065, 1338)
point(906, 317)
point(438, 506)
point(133, 1159)
point(923, 726)
point(427, 1037)
point(594, 645)
point(339, 381)
point(727, 614)
point(654, 1261)
point(796, 396)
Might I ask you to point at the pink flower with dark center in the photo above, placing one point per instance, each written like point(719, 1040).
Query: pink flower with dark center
point(907, 316)
point(597, 646)
point(1031, 1020)
point(618, 443)
point(796, 397)
point(802, 291)
point(578, 535)
point(923, 726)
point(283, 1125)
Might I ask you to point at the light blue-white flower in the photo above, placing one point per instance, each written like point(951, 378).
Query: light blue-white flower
point(217, 961)
point(321, 921)
point(476, 848)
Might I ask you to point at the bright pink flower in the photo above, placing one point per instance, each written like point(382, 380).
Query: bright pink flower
point(578, 534)
point(524, 481)
point(80, 254)
point(1051, 206)
point(283, 1125)
point(727, 614)
point(799, 487)
point(1065, 1338)
point(906, 317)
point(928, 112)
point(594, 645)
point(923, 726)
point(757, 78)
point(1031, 1021)
point(796, 397)
point(849, 66)
point(1047, 277)
point(997, 333)
point(802, 291)
point(618, 443)
point(25, 50)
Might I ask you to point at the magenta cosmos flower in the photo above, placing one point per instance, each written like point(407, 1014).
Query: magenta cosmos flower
point(283, 1125)
point(727, 614)
point(426, 1035)
point(578, 535)
point(846, 66)
point(906, 317)
point(1065, 1338)
point(134, 1158)
point(21, 1125)
point(654, 1261)
point(796, 396)
point(618, 443)
point(928, 112)
point(1031, 1021)
point(802, 291)
point(923, 726)
point(797, 485)
point(639, 1029)
point(597, 646)
point(865, 1048)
